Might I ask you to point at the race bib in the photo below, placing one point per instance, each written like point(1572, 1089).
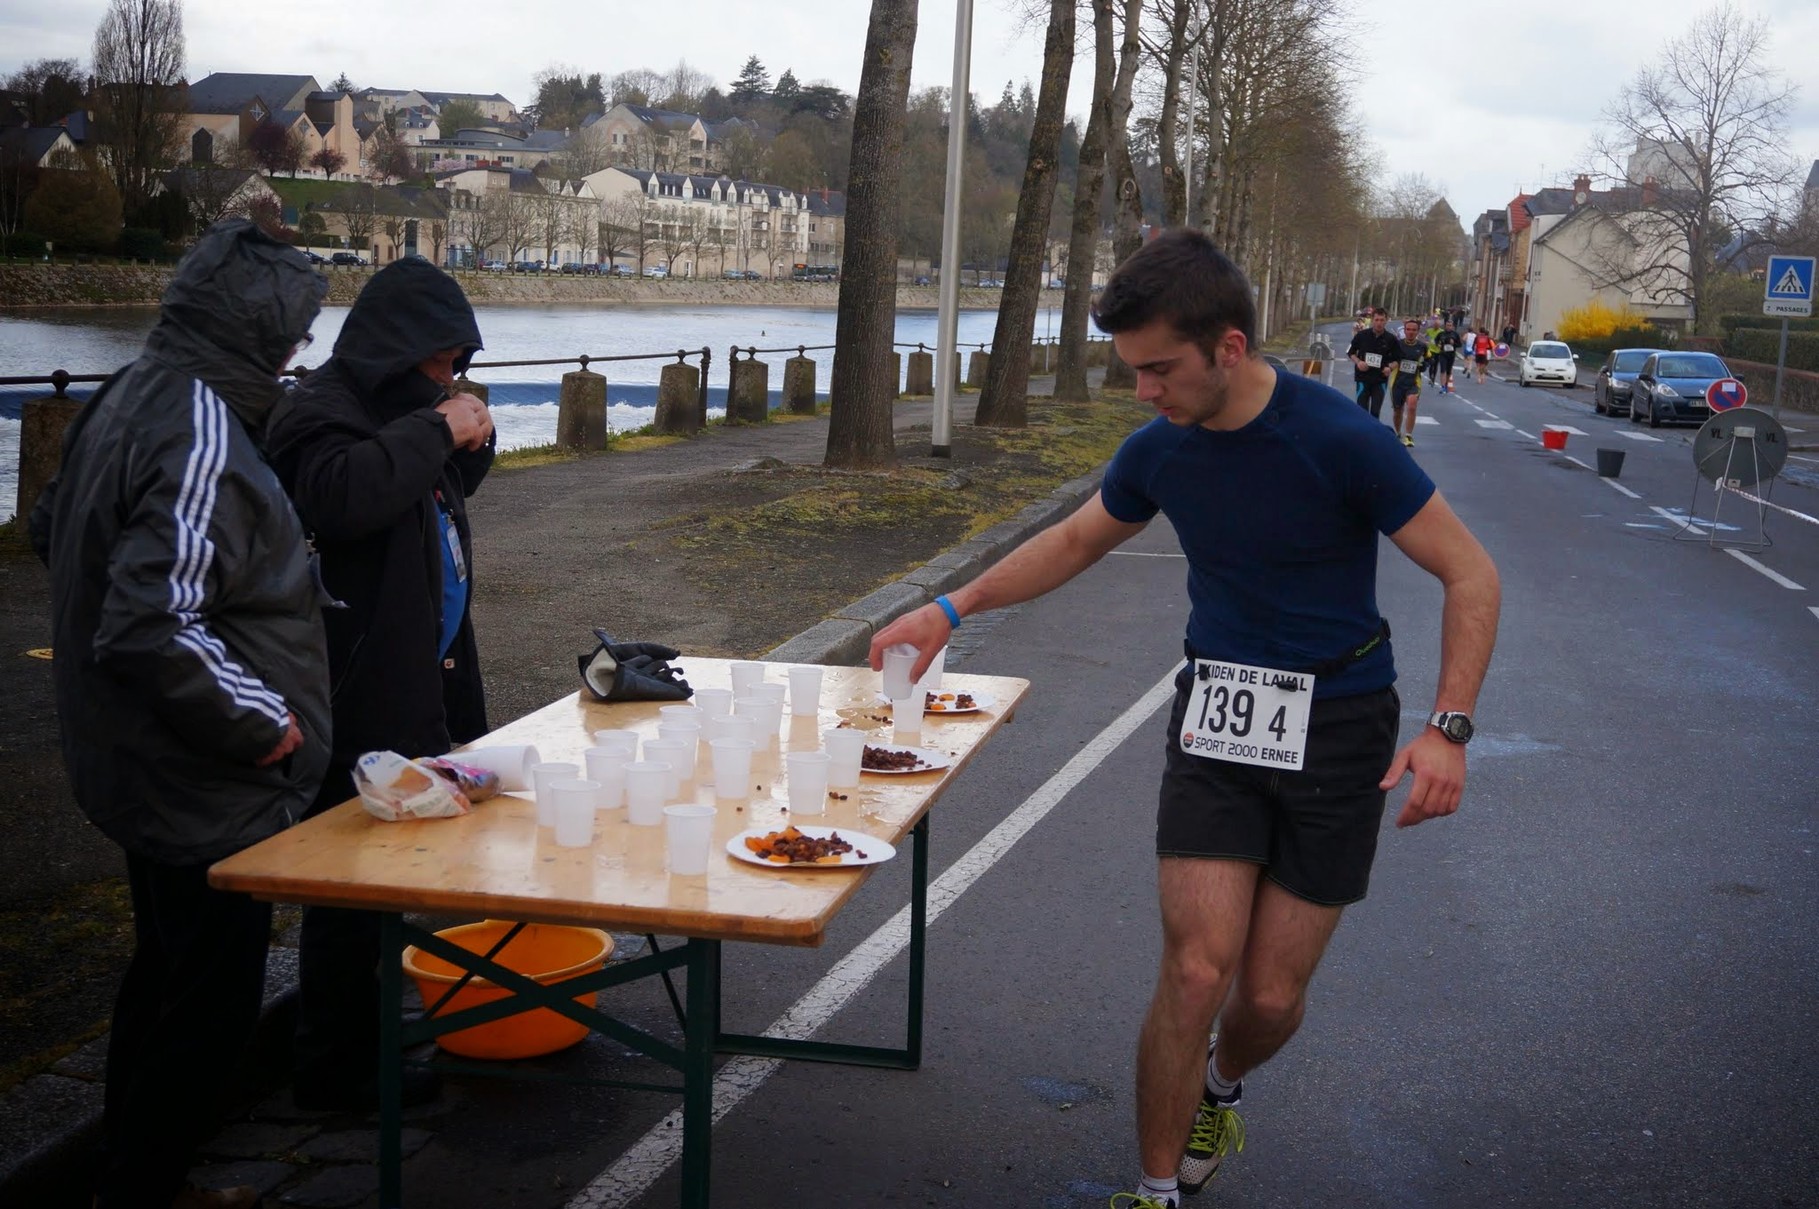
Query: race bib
point(1374, 360)
point(1247, 715)
point(1408, 367)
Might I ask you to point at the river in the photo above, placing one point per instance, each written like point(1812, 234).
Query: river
point(91, 341)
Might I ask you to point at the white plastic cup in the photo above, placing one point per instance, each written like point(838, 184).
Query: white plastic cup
point(931, 679)
point(689, 831)
point(768, 690)
point(714, 702)
point(766, 714)
point(625, 740)
point(804, 691)
point(646, 790)
point(512, 762)
point(807, 773)
point(689, 735)
point(574, 812)
point(899, 661)
point(720, 726)
point(678, 713)
point(846, 750)
point(541, 777)
point(670, 753)
point(607, 766)
point(906, 717)
point(733, 767)
point(745, 675)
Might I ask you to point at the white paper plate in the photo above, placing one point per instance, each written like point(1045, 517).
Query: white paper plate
point(876, 850)
point(981, 701)
point(931, 761)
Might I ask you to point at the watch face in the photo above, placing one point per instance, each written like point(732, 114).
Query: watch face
point(1458, 727)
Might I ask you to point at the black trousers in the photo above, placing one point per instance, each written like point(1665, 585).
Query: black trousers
point(186, 1010)
point(337, 983)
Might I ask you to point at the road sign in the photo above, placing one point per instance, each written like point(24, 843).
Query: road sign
point(1725, 394)
point(1788, 286)
point(1501, 351)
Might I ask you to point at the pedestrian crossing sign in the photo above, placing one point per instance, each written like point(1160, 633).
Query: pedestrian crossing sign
point(1788, 286)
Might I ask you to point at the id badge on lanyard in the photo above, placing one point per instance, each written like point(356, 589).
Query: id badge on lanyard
point(1247, 715)
point(451, 537)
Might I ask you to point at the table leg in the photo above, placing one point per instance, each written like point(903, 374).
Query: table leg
point(391, 1062)
point(917, 940)
point(698, 1071)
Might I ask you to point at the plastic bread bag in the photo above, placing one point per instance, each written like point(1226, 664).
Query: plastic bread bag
point(476, 784)
point(393, 788)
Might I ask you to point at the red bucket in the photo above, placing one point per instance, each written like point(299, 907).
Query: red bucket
point(1553, 438)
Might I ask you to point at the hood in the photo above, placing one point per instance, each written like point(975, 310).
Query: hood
point(408, 311)
point(239, 302)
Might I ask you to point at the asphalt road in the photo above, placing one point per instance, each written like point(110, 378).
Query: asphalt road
point(1594, 986)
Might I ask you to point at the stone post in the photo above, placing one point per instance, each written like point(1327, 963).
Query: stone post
point(581, 410)
point(921, 373)
point(976, 366)
point(41, 425)
point(678, 396)
point(897, 390)
point(748, 400)
point(799, 384)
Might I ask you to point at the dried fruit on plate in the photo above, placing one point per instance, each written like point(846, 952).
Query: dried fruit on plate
point(791, 847)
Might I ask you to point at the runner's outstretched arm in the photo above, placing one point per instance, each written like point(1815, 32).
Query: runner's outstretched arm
point(1438, 542)
point(1039, 565)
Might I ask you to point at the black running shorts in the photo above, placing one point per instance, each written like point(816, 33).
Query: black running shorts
point(1446, 363)
point(1314, 831)
point(1407, 386)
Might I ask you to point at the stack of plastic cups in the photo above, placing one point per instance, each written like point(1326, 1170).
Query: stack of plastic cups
point(606, 766)
point(542, 775)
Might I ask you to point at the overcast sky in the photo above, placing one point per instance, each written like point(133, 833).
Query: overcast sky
point(1512, 104)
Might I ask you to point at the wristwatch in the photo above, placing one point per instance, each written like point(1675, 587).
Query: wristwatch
point(1453, 724)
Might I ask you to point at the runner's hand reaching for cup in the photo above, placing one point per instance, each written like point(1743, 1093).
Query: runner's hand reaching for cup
point(469, 422)
point(926, 629)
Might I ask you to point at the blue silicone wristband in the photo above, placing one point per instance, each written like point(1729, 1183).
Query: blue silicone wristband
point(953, 614)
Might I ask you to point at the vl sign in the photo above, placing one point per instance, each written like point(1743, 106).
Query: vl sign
point(1788, 287)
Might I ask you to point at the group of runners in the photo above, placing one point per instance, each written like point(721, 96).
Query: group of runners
point(1383, 362)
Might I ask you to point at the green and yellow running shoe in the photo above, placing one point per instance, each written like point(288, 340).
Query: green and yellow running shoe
point(1218, 1131)
point(1140, 1200)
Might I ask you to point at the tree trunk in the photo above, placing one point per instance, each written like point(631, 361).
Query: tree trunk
point(1212, 72)
point(1128, 236)
point(1004, 402)
point(862, 387)
point(1174, 184)
point(1083, 241)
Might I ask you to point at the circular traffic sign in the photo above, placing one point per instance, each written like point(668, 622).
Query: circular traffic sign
point(1501, 351)
point(1740, 447)
point(1725, 394)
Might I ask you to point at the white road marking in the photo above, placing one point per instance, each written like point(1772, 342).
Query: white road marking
point(1145, 554)
point(1695, 530)
point(1614, 485)
point(1563, 428)
point(1494, 424)
point(1640, 524)
point(1813, 609)
point(1575, 461)
point(642, 1165)
point(1531, 436)
point(1637, 436)
point(1751, 563)
point(1426, 420)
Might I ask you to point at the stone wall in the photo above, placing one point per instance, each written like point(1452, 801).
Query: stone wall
point(1799, 389)
point(26, 285)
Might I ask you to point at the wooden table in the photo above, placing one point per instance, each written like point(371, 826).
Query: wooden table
point(497, 863)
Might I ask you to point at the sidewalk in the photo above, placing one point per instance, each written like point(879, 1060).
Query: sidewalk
point(559, 549)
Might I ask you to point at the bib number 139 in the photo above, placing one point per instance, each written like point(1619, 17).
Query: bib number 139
point(1247, 715)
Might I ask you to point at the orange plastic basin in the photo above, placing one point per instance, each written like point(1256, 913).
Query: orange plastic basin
point(546, 952)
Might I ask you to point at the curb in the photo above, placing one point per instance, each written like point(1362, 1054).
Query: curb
point(50, 1122)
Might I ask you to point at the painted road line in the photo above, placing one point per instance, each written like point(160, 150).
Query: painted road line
point(1145, 554)
point(1564, 428)
point(1627, 435)
point(1813, 609)
point(1753, 565)
point(1531, 436)
point(1575, 461)
point(1614, 485)
point(1494, 424)
point(1693, 529)
point(653, 1154)
point(1426, 420)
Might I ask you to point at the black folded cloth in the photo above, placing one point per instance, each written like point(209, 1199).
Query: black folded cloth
point(632, 671)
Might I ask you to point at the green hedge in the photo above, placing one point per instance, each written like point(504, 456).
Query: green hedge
point(1754, 344)
point(1730, 324)
point(1626, 337)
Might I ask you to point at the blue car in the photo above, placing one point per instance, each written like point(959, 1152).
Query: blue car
point(1670, 388)
point(1616, 380)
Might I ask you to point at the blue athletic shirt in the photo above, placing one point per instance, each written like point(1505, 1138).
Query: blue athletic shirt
point(1279, 522)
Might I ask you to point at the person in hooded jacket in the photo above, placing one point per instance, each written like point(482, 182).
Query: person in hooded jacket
point(191, 682)
point(380, 453)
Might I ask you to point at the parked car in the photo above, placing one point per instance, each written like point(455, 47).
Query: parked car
point(1616, 379)
point(923, 280)
point(313, 257)
point(1670, 387)
point(572, 267)
point(620, 270)
point(353, 259)
point(655, 271)
point(494, 266)
point(1548, 361)
point(528, 266)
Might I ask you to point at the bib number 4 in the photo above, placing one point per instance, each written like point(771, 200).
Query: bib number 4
point(1247, 715)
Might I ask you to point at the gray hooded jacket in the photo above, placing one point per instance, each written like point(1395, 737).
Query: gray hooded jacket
point(188, 626)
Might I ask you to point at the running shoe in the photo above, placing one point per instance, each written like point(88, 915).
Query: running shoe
point(1141, 1200)
point(1218, 1131)
point(1408, 440)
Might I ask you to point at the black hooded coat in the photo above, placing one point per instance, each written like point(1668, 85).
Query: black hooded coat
point(369, 462)
point(186, 623)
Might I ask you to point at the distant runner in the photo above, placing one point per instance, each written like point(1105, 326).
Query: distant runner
point(1449, 349)
point(1372, 352)
point(1405, 393)
point(1481, 353)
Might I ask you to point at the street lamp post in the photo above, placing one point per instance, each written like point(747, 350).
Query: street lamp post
point(947, 353)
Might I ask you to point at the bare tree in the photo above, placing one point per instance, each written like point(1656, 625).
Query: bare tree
point(618, 231)
point(1698, 147)
point(436, 231)
point(1083, 242)
point(1127, 192)
point(1176, 42)
point(683, 87)
point(210, 192)
point(394, 227)
point(697, 234)
point(357, 207)
point(862, 388)
point(1005, 398)
point(672, 233)
point(327, 161)
point(549, 220)
point(518, 214)
point(634, 220)
point(139, 52)
point(481, 226)
point(583, 227)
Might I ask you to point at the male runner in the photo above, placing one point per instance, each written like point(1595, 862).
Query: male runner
point(1277, 491)
point(1405, 389)
point(1431, 336)
point(1373, 351)
point(1449, 349)
point(1481, 353)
